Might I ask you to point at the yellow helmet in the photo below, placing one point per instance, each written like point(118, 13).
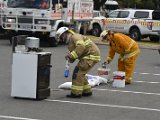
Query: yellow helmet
point(103, 34)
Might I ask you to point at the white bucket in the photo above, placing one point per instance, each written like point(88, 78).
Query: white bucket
point(118, 79)
point(104, 72)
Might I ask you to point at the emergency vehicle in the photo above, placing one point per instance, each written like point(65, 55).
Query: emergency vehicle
point(138, 23)
point(3, 3)
point(98, 23)
point(42, 18)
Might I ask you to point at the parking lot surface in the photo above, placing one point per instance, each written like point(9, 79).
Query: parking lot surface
point(138, 101)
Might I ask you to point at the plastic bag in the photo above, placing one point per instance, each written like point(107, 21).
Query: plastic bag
point(95, 80)
point(92, 80)
point(66, 85)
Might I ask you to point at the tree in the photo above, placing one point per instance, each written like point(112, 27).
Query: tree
point(98, 4)
point(141, 4)
point(129, 4)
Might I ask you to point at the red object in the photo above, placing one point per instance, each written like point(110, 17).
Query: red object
point(44, 5)
point(118, 77)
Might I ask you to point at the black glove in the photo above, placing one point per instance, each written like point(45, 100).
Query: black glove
point(67, 57)
point(104, 63)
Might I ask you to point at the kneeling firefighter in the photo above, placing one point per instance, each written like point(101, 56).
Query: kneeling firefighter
point(82, 48)
point(126, 47)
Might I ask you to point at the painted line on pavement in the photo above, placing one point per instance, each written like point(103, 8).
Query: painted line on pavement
point(147, 82)
point(135, 92)
point(147, 73)
point(16, 118)
point(104, 105)
point(123, 91)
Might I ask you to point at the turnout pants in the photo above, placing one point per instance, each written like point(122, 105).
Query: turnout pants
point(79, 82)
point(127, 65)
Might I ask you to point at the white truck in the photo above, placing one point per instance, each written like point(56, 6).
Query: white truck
point(137, 23)
point(42, 18)
point(98, 23)
point(3, 4)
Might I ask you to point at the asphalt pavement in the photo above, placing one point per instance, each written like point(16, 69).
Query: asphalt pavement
point(138, 101)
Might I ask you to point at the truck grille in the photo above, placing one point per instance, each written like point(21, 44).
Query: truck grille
point(25, 20)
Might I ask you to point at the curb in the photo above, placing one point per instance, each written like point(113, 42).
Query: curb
point(140, 46)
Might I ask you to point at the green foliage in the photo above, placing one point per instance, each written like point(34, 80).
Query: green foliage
point(142, 4)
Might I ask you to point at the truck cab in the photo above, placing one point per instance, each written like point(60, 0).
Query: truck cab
point(42, 18)
point(3, 4)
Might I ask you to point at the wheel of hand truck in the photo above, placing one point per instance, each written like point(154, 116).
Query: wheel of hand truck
point(53, 42)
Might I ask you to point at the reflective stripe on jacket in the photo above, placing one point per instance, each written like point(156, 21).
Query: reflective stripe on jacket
point(92, 57)
point(81, 47)
point(123, 45)
point(125, 56)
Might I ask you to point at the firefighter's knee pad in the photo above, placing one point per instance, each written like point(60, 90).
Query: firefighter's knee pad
point(74, 76)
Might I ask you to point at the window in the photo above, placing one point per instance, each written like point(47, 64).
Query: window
point(113, 14)
point(141, 14)
point(123, 14)
point(41, 4)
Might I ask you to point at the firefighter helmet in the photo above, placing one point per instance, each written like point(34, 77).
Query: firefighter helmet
point(60, 31)
point(104, 33)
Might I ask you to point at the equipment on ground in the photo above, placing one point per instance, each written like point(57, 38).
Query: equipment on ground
point(30, 69)
point(104, 71)
point(118, 79)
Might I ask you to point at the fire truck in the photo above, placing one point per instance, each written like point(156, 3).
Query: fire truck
point(3, 3)
point(42, 18)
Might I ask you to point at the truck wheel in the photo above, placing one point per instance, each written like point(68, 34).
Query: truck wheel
point(96, 31)
point(154, 38)
point(135, 34)
point(53, 42)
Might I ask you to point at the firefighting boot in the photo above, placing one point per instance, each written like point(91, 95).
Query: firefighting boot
point(127, 82)
point(74, 96)
point(87, 94)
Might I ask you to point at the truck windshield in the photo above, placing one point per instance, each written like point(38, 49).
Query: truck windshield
point(40, 4)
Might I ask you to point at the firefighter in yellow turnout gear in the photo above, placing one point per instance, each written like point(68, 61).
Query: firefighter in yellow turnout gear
point(126, 47)
point(82, 48)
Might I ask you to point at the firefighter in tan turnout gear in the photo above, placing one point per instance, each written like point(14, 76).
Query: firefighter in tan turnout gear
point(126, 47)
point(82, 48)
